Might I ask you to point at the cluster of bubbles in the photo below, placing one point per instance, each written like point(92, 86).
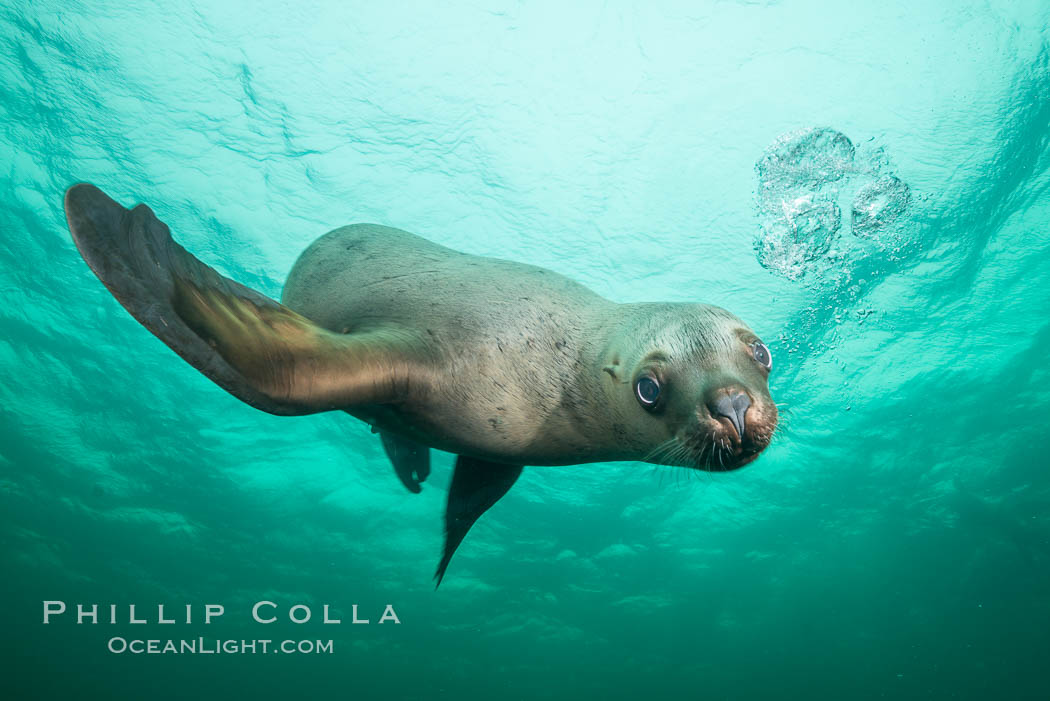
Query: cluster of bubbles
point(805, 179)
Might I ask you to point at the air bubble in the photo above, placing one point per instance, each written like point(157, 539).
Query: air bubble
point(802, 233)
point(807, 158)
point(878, 204)
point(806, 178)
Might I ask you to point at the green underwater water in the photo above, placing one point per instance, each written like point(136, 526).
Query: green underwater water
point(893, 542)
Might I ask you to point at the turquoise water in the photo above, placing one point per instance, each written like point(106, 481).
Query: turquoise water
point(867, 186)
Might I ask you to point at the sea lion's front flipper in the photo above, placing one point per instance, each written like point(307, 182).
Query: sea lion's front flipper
point(258, 350)
point(476, 486)
point(411, 460)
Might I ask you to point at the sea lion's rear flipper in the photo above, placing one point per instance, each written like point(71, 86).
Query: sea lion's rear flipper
point(476, 486)
point(258, 350)
point(411, 460)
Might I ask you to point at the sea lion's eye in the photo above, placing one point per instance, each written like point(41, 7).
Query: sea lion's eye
point(762, 355)
point(647, 389)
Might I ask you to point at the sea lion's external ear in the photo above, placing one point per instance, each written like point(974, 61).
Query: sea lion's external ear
point(476, 486)
point(258, 350)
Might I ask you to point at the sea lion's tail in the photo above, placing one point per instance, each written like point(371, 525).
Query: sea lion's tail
point(258, 350)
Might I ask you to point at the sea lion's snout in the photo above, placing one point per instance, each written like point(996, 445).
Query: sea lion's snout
point(738, 423)
point(733, 406)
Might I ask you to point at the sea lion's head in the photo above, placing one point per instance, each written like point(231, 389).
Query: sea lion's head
point(692, 383)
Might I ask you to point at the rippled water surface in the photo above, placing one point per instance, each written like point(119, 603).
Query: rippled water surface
point(866, 184)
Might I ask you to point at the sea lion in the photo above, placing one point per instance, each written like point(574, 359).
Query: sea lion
point(502, 363)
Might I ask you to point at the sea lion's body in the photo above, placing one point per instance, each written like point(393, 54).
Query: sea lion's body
point(503, 363)
point(520, 338)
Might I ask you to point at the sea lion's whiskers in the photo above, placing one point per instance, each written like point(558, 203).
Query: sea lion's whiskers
point(696, 456)
point(783, 425)
point(704, 457)
point(651, 456)
point(673, 452)
point(690, 453)
point(709, 448)
point(687, 453)
point(660, 450)
point(676, 453)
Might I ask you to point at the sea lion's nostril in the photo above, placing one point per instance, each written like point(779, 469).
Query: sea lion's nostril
point(734, 407)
